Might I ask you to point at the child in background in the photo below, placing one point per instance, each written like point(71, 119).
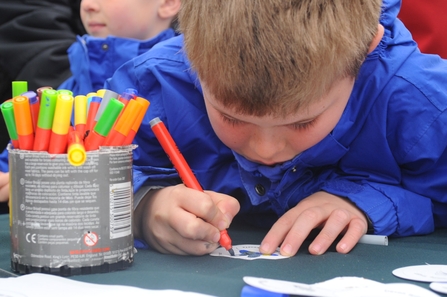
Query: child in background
point(118, 30)
point(294, 115)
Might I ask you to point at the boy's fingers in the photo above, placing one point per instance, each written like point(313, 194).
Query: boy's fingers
point(287, 229)
point(189, 226)
point(4, 193)
point(336, 224)
point(183, 246)
point(355, 231)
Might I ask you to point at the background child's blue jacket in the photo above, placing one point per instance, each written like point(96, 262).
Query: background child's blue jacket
point(93, 60)
point(387, 154)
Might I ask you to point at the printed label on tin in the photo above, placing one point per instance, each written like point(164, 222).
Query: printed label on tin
point(67, 215)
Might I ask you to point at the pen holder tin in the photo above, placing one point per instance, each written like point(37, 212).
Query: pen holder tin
point(69, 220)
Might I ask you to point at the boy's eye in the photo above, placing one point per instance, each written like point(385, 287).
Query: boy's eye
point(303, 126)
point(230, 121)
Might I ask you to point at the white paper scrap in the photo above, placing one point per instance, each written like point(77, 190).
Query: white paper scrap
point(46, 285)
point(340, 287)
point(423, 273)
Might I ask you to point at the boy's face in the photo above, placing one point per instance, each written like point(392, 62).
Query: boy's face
point(137, 19)
point(269, 140)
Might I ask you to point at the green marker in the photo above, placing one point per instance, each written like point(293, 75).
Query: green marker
point(19, 87)
point(45, 120)
point(64, 92)
point(105, 123)
point(8, 115)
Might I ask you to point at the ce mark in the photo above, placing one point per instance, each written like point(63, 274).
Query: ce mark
point(31, 237)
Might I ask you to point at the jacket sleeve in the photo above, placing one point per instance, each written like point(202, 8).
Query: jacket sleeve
point(392, 209)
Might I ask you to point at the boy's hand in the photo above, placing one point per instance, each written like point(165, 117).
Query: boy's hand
point(4, 186)
point(184, 221)
point(333, 214)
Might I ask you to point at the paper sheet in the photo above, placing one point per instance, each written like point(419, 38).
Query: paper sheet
point(46, 285)
point(439, 287)
point(423, 273)
point(340, 287)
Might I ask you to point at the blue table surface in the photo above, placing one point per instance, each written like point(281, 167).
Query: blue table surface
point(222, 277)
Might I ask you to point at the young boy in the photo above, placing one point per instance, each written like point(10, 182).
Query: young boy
point(118, 30)
point(295, 115)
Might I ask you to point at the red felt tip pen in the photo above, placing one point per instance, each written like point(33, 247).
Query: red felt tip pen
point(183, 169)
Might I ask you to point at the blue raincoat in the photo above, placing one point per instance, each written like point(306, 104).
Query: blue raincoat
point(387, 154)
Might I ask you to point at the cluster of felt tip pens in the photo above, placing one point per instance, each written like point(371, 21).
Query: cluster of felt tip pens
point(57, 122)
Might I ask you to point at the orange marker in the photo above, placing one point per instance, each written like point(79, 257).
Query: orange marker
point(76, 154)
point(24, 122)
point(123, 125)
point(61, 124)
point(183, 169)
point(92, 110)
point(133, 131)
point(80, 113)
point(34, 106)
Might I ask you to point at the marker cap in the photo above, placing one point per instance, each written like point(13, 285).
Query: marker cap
point(24, 124)
point(80, 113)
point(34, 105)
point(76, 154)
point(22, 115)
point(19, 87)
point(40, 90)
point(8, 115)
point(64, 92)
point(106, 97)
point(106, 121)
point(62, 113)
point(47, 108)
point(128, 117)
point(132, 91)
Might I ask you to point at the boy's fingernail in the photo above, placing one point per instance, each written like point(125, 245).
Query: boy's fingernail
point(286, 250)
point(264, 247)
point(229, 218)
point(222, 225)
point(216, 237)
point(316, 248)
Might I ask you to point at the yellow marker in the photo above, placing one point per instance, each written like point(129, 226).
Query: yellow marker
point(61, 124)
point(101, 92)
point(76, 154)
point(80, 115)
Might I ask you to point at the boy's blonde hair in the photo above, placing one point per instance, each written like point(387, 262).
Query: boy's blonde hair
point(273, 57)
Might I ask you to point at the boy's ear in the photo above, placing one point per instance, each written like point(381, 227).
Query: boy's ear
point(376, 40)
point(169, 9)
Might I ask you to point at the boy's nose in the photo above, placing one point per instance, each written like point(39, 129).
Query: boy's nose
point(267, 147)
point(89, 5)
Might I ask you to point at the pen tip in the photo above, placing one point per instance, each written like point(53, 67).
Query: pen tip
point(231, 252)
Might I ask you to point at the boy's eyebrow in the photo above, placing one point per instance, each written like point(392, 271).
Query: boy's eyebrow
point(310, 119)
